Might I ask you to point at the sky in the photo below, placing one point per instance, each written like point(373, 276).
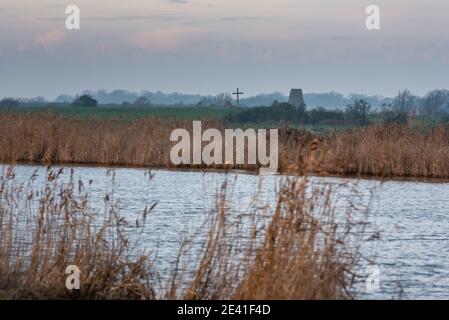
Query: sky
point(213, 46)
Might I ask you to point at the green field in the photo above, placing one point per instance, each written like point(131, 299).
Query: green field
point(190, 113)
point(193, 113)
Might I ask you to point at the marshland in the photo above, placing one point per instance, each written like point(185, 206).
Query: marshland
point(380, 150)
point(101, 193)
point(216, 235)
point(337, 188)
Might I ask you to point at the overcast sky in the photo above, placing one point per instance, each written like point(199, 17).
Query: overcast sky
point(212, 46)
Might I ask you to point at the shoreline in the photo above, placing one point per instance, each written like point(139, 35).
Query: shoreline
point(253, 172)
point(383, 152)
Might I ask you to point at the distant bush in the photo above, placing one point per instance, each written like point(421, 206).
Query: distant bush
point(279, 112)
point(391, 115)
point(85, 101)
point(9, 102)
point(142, 102)
point(445, 119)
point(401, 110)
point(358, 112)
point(322, 116)
point(221, 100)
point(435, 104)
point(126, 104)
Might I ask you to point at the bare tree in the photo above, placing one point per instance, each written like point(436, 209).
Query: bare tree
point(220, 100)
point(223, 99)
point(404, 102)
point(359, 111)
point(401, 109)
point(435, 103)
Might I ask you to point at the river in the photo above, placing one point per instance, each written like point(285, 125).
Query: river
point(411, 217)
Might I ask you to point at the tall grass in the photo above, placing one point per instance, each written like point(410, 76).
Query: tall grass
point(44, 231)
point(377, 150)
point(386, 151)
point(303, 248)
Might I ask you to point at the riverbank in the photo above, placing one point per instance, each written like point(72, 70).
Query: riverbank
point(404, 235)
point(227, 171)
point(374, 151)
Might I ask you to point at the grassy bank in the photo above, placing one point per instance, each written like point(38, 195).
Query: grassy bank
point(384, 151)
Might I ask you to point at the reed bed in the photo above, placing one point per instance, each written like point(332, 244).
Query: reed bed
point(302, 248)
point(388, 151)
point(48, 138)
point(384, 151)
point(305, 250)
point(43, 231)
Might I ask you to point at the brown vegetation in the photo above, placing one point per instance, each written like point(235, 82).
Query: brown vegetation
point(306, 249)
point(377, 150)
point(303, 248)
point(386, 151)
point(44, 231)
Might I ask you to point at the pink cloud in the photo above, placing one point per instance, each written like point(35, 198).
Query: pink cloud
point(164, 39)
point(50, 37)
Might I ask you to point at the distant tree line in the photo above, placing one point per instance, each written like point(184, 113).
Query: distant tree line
point(139, 102)
point(278, 112)
point(331, 100)
point(360, 110)
point(9, 102)
point(220, 100)
point(85, 101)
point(357, 113)
point(402, 108)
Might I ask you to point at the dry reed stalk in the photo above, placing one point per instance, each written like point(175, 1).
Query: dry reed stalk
point(383, 151)
point(304, 248)
point(44, 231)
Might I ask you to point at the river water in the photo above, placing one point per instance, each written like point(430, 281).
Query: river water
point(410, 217)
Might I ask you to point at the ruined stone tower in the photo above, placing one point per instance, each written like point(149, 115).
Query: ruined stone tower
point(296, 98)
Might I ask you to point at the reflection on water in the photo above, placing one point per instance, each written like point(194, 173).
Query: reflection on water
point(411, 217)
